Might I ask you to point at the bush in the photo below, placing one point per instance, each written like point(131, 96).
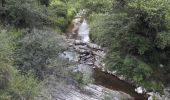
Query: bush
point(37, 49)
point(18, 86)
point(97, 6)
point(24, 86)
point(58, 14)
point(21, 13)
point(137, 36)
point(31, 14)
point(13, 85)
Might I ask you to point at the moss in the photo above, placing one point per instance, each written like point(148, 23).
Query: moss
point(78, 76)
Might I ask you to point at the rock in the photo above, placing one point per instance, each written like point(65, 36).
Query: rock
point(139, 90)
point(103, 69)
point(150, 98)
point(55, 89)
point(161, 65)
point(86, 56)
point(167, 92)
point(79, 42)
point(157, 96)
point(71, 56)
point(98, 64)
point(99, 54)
point(83, 51)
point(114, 72)
point(79, 47)
point(94, 46)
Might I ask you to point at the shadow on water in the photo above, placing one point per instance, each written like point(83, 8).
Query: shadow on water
point(112, 82)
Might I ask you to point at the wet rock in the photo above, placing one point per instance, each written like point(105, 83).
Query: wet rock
point(139, 90)
point(55, 89)
point(94, 46)
point(167, 92)
point(81, 51)
point(89, 56)
point(99, 54)
point(98, 64)
point(71, 56)
point(81, 47)
point(158, 96)
point(106, 93)
point(86, 56)
point(79, 42)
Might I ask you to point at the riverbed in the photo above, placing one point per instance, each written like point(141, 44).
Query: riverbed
point(91, 53)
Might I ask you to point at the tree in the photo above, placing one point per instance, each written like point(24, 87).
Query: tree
point(45, 2)
point(136, 33)
point(13, 85)
point(38, 48)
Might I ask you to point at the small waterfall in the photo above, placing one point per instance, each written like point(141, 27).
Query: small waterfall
point(88, 58)
point(83, 31)
point(79, 29)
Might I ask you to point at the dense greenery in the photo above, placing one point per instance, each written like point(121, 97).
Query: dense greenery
point(12, 83)
point(136, 33)
point(29, 50)
point(31, 14)
point(38, 50)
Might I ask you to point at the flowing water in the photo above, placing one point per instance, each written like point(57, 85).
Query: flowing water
point(81, 29)
point(112, 82)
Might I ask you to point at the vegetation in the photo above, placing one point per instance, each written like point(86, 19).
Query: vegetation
point(37, 50)
point(12, 83)
point(136, 33)
point(33, 14)
point(29, 45)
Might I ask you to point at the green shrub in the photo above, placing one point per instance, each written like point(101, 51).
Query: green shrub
point(17, 86)
point(97, 6)
point(21, 13)
point(31, 14)
point(23, 86)
point(78, 76)
point(136, 33)
point(13, 85)
point(58, 14)
point(37, 49)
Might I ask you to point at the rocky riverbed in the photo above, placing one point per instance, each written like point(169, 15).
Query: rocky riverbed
point(95, 82)
point(85, 58)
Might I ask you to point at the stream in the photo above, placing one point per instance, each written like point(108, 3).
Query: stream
point(112, 82)
point(92, 55)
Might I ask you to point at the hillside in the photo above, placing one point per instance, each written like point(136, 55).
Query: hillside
point(84, 49)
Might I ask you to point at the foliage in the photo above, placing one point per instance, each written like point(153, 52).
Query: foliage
point(20, 13)
point(60, 13)
point(136, 33)
point(12, 83)
point(37, 49)
point(34, 51)
point(78, 76)
point(97, 6)
point(76, 6)
point(31, 14)
point(23, 86)
point(45, 2)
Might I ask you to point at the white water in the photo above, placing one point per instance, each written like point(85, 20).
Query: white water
point(81, 28)
point(83, 31)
